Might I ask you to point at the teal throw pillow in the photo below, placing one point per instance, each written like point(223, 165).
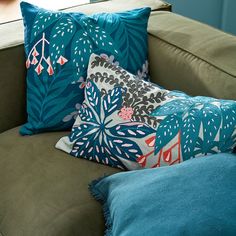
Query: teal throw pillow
point(58, 46)
point(196, 197)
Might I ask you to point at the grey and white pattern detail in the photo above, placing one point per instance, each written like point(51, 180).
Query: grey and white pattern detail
point(117, 110)
point(141, 97)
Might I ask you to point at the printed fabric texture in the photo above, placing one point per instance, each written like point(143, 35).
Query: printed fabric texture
point(58, 46)
point(130, 123)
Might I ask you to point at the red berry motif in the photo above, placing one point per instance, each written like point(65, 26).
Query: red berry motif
point(62, 60)
point(39, 62)
point(50, 70)
point(39, 69)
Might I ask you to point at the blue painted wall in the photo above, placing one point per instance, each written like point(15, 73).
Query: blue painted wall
point(217, 13)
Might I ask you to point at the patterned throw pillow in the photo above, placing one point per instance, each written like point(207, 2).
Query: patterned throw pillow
point(58, 46)
point(130, 123)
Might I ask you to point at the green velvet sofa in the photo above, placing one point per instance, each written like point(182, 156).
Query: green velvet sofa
point(43, 191)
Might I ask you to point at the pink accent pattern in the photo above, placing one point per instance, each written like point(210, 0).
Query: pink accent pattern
point(39, 69)
point(151, 141)
point(34, 61)
point(82, 85)
point(38, 62)
point(50, 70)
point(143, 159)
point(126, 113)
point(62, 60)
point(35, 53)
point(27, 63)
point(110, 59)
point(88, 85)
point(166, 156)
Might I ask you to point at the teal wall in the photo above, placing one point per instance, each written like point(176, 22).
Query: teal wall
point(218, 13)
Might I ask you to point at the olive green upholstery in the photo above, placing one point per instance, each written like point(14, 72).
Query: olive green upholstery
point(12, 87)
point(190, 56)
point(43, 191)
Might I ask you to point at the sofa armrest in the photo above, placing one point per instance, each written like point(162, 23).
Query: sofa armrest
point(190, 56)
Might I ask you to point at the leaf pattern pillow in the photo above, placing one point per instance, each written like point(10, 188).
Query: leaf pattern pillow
point(129, 123)
point(58, 46)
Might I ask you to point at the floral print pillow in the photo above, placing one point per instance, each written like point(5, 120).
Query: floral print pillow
point(58, 46)
point(129, 123)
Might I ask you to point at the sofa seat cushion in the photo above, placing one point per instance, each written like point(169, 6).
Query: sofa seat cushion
point(45, 191)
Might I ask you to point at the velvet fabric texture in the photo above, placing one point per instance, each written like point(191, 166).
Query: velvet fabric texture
point(196, 197)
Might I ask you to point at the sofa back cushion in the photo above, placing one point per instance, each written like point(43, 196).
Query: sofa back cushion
point(189, 56)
